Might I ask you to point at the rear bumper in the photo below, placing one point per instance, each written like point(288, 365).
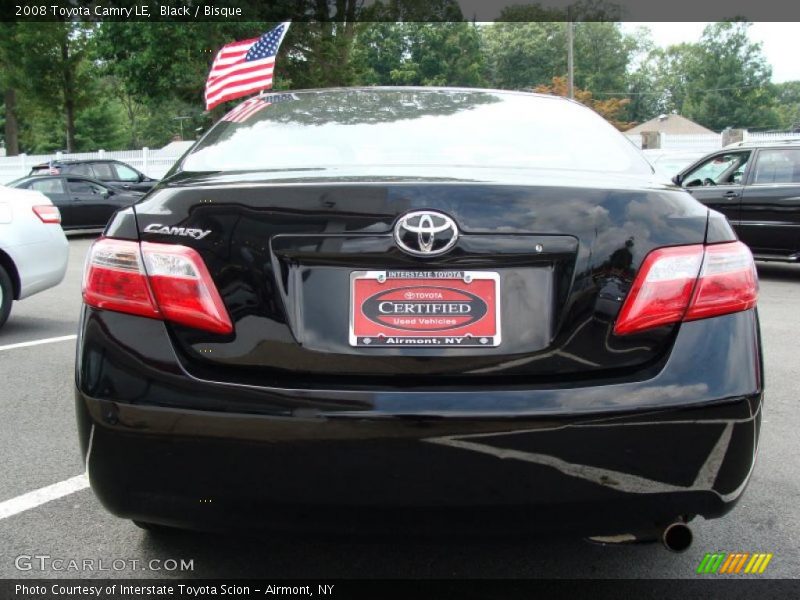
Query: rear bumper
point(599, 459)
point(41, 264)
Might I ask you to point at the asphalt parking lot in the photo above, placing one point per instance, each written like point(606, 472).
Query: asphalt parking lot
point(38, 443)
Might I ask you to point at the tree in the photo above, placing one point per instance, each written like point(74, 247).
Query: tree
point(602, 54)
point(730, 80)
point(163, 60)
point(418, 54)
point(379, 49)
point(722, 81)
point(525, 54)
point(661, 82)
point(10, 78)
point(612, 109)
point(56, 53)
point(788, 105)
point(164, 63)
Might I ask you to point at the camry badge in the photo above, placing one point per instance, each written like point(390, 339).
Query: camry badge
point(425, 233)
point(197, 234)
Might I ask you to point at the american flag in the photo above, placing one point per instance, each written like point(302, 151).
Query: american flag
point(242, 68)
point(246, 109)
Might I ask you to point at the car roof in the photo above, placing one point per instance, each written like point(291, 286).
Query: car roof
point(73, 161)
point(778, 143)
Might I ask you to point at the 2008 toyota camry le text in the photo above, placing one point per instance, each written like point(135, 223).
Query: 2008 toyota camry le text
point(425, 309)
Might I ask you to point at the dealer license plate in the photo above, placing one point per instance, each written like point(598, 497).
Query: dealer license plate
point(424, 309)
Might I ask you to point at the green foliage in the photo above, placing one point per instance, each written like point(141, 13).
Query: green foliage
point(602, 55)
point(446, 54)
point(730, 80)
point(101, 125)
point(788, 99)
point(661, 82)
point(522, 55)
point(722, 81)
point(55, 58)
point(41, 130)
point(158, 60)
point(411, 11)
point(117, 85)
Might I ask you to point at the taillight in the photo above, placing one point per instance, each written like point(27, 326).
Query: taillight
point(662, 289)
point(160, 281)
point(183, 287)
point(114, 279)
point(728, 282)
point(685, 283)
point(47, 213)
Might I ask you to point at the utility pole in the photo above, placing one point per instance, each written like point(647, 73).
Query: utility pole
point(181, 120)
point(570, 65)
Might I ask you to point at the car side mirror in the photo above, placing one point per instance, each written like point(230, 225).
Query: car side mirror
point(677, 180)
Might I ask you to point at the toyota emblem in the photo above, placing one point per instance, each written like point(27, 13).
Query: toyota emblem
point(425, 233)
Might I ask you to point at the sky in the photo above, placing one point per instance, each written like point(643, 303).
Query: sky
point(780, 42)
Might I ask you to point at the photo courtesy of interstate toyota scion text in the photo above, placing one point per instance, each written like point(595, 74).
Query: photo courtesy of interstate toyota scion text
point(419, 309)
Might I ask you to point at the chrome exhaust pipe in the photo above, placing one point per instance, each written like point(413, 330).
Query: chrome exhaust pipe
point(677, 537)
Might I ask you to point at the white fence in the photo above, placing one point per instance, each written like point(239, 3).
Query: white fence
point(770, 137)
point(154, 163)
point(698, 142)
point(708, 142)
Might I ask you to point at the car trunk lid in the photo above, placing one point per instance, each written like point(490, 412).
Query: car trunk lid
point(285, 255)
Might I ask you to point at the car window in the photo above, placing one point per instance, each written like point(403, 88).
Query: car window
point(81, 170)
point(670, 166)
point(103, 171)
point(47, 186)
point(125, 173)
point(44, 171)
point(778, 166)
point(426, 128)
point(80, 186)
point(722, 169)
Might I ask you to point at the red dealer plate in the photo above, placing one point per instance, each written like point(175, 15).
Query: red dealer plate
point(434, 309)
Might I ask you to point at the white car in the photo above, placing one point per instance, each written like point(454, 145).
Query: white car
point(33, 247)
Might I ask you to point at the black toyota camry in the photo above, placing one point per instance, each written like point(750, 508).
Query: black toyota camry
point(434, 309)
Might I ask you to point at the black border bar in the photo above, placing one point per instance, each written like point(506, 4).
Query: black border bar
point(705, 587)
point(398, 10)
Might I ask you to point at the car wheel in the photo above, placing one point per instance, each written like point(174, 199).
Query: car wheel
point(6, 295)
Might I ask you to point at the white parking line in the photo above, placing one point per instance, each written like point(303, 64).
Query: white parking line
point(62, 338)
point(9, 508)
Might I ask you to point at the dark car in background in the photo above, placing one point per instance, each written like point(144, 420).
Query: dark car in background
point(757, 187)
point(84, 203)
point(110, 172)
point(419, 309)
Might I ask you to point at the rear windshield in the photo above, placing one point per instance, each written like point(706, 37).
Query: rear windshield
point(413, 128)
